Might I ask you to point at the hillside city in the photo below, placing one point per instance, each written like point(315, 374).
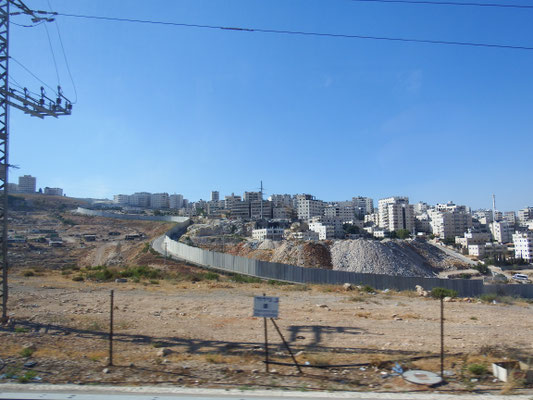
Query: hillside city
point(481, 234)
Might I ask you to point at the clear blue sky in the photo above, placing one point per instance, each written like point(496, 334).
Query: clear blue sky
point(188, 111)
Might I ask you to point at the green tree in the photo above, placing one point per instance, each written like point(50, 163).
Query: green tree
point(402, 233)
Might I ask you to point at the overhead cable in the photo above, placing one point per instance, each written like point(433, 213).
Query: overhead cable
point(301, 33)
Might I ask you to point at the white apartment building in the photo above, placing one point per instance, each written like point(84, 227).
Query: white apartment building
point(363, 205)
point(257, 207)
point(487, 250)
point(449, 221)
point(140, 199)
point(372, 219)
point(421, 208)
point(230, 200)
point(324, 231)
point(485, 217)
point(175, 201)
point(510, 216)
point(344, 212)
point(309, 207)
point(335, 222)
point(524, 215)
point(502, 231)
point(471, 238)
point(268, 233)
point(523, 245)
point(396, 213)
point(122, 199)
point(27, 184)
point(53, 191)
point(159, 200)
point(215, 195)
point(281, 200)
point(252, 196)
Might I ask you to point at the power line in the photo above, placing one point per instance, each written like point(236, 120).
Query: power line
point(65, 58)
point(300, 33)
point(53, 55)
point(32, 74)
point(448, 3)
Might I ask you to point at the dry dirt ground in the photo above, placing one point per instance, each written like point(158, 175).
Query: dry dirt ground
point(193, 331)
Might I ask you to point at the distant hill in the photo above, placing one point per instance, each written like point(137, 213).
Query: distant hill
point(42, 202)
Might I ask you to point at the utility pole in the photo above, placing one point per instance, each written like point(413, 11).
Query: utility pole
point(36, 106)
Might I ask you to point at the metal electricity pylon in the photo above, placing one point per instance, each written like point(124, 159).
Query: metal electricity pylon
point(34, 105)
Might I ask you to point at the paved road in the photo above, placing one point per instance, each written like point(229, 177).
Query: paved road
point(76, 392)
point(454, 253)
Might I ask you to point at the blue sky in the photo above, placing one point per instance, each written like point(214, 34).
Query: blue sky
point(188, 111)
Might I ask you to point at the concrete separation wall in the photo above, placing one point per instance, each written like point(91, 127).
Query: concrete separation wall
point(130, 217)
point(294, 274)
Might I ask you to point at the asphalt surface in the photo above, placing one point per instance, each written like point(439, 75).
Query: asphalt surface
point(75, 392)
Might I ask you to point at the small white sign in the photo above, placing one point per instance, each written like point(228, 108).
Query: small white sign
point(266, 307)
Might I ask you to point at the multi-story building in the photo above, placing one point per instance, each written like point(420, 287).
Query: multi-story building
point(27, 184)
point(308, 206)
point(175, 201)
point(471, 238)
point(324, 231)
point(281, 200)
point(159, 200)
point(372, 219)
point(344, 212)
point(524, 215)
point(140, 199)
point(12, 188)
point(230, 200)
point(240, 209)
point(523, 245)
point(260, 209)
point(362, 205)
point(268, 233)
point(421, 208)
point(215, 195)
point(449, 220)
point(396, 213)
point(487, 250)
point(484, 217)
point(122, 199)
point(502, 231)
point(422, 222)
point(252, 196)
point(335, 222)
point(510, 216)
point(53, 191)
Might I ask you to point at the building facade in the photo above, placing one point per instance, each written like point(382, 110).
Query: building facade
point(27, 184)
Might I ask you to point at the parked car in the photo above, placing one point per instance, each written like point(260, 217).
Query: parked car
point(521, 277)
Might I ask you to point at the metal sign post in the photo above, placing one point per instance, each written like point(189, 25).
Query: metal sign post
point(268, 307)
point(442, 337)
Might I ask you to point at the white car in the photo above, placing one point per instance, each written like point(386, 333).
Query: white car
point(521, 277)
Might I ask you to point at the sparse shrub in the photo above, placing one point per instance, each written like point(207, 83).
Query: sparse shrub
point(477, 369)
point(27, 351)
point(440, 293)
point(28, 376)
point(211, 276)
point(158, 345)
point(245, 279)
point(482, 268)
point(78, 278)
point(20, 329)
point(368, 289)
point(154, 281)
point(488, 297)
point(28, 273)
